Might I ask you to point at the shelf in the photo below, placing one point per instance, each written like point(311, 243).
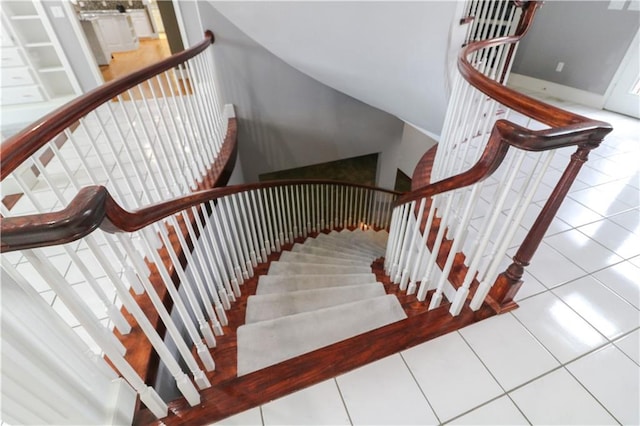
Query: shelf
point(24, 17)
point(51, 69)
point(36, 75)
point(39, 44)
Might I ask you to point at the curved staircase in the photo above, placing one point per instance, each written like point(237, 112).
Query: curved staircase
point(319, 293)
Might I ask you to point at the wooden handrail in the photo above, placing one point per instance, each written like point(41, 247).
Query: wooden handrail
point(504, 135)
point(567, 129)
point(22, 145)
point(94, 207)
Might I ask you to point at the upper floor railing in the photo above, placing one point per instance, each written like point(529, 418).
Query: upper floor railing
point(470, 206)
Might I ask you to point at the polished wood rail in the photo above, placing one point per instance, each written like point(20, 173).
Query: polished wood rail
point(94, 207)
point(22, 145)
point(566, 129)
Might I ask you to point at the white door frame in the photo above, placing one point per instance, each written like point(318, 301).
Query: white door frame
point(84, 43)
point(628, 57)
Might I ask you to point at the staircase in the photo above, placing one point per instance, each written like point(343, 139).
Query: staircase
point(319, 293)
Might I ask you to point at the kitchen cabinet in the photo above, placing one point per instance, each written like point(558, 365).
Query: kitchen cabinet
point(141, 23)
point(118, 32)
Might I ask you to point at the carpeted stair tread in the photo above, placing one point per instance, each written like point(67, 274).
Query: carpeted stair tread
point(336, 246)
point(342, 244)
point(268, 284)
point(269, 342)
point(303, 248)
point(288, 256)
point(298, 268)
point(360, 238)
point(275, 305)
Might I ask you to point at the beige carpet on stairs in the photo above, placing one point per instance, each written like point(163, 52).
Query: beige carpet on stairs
point(301, 306)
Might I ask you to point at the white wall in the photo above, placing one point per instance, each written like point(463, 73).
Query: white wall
point(404, 155)
point(391, 55)
point(588, 37)
point(287, 119)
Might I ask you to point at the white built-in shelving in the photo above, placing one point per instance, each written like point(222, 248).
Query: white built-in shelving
point(35, 74)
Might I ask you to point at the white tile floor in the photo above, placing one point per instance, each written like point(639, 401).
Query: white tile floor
point(568, 355)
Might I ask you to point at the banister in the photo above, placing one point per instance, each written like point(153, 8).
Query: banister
point(538, 110)
point(94, 207)
point(567, 128)
point(503, 135)
point(22, 145)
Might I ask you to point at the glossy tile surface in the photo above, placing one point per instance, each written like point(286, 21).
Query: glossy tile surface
point(616, 386)
point(439, 366)
point(603, 309)
point(320, 404)
point(501, 411)
point(551, 268)
point(383, 393)
point(559, 399)
point(582, 250)
point(508, 350)
point(559, 328)
point(630, 345)
point(624, 280)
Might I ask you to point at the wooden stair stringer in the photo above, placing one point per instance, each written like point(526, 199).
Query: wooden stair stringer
point(238, 394)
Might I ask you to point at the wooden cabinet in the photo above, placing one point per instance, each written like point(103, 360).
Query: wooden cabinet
point(35, 74)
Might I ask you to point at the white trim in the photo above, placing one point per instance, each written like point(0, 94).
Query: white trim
point(180, 21)
point(623, 64)
point(72, 18)
point(565, 93)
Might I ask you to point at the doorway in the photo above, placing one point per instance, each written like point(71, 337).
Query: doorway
point(623, 95)
point(127, 35)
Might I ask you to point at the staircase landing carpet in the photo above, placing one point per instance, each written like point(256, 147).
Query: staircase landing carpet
point(319, 294)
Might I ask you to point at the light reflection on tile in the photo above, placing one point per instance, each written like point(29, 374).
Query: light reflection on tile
point(617, 386)
point(558, 327)
point(624, 280)
point(558, 399)
point(602, 308)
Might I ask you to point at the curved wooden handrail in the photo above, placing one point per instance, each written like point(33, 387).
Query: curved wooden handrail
point(504, 135)
point(567, 129)
point(22, 145)
point(94, 207)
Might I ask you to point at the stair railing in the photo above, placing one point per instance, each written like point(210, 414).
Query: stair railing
point(151, 135)
point(245, 224)
point(449, 238)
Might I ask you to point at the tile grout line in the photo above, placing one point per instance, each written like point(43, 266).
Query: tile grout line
point(344, 403)
point(493, 377)
point(563, 365)
point(420, 387)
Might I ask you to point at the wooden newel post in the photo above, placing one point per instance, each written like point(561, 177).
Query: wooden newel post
point(509, 282)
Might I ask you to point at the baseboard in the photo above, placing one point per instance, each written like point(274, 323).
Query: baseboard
point(565, 93)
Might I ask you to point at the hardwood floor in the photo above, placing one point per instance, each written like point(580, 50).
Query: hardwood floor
point(149, 52)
